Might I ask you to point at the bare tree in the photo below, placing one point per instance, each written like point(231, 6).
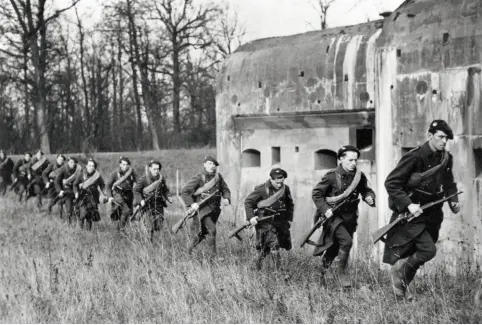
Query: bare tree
point(187, 27)
point(321, 7)
point(34, 23)
point(230, 32)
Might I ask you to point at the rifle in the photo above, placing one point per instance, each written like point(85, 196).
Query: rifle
point(190, 213)
point(105, 200)
point(235, 232)
point(13, 185)
point(321, 221)
point(406, 216)
point(138, 208)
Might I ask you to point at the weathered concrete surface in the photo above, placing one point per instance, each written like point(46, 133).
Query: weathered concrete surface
point(421, 63)
point(430, 53)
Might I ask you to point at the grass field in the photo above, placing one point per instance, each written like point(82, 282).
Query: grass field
point(53, 273)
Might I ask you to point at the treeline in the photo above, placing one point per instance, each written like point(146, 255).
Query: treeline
point(141, 78)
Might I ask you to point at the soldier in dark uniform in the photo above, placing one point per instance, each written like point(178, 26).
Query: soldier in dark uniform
point(343, 184)
point(64, 185)
point(271, 197)
point(87, 188)
point(423, 175)
point(20, 175)
point(35, 170)
point(48, 176)
point(119, 191)
point(151, 193)
point(6, 169)
point(203, 224)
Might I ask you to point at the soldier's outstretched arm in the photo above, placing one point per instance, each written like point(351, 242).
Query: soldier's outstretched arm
point(365, 189)
point(46, 172)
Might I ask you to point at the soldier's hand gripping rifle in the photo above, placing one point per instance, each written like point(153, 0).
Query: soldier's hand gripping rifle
point(321, 221)
point(406, 216)
point(191, 212)
point(235, 232)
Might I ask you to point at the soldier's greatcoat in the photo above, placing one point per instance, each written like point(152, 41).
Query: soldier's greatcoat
point(402, 194)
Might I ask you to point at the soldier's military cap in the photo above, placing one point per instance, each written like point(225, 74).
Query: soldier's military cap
point(40, 151)
point(60, 155)
point(28, 153)
point(92, 160)
point(347, 148)
point(441, 125)
point(212, 159)
point(74, 159)
point(277, 172)
point(122, 158)
point(155, 161)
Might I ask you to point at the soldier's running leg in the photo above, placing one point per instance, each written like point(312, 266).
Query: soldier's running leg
point(425, 250)
point(209, 224)
point(344, 239)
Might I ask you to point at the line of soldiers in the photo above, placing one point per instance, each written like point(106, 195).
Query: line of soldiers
point(423, 175)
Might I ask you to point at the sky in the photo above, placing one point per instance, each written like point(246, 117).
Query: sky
point(269, 18)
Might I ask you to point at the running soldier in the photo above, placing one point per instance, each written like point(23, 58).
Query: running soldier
point(119, 191)
point(87, 188)
point(6, 169)
point(203, 224)
point(20, 181)
point(271, 198)
point(151, 194)
point(64, 186)
point(423, 175)
point(36, 185)
point(49, 175)
point(343, 185)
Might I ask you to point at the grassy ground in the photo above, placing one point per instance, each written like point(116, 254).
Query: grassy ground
point(54, 273)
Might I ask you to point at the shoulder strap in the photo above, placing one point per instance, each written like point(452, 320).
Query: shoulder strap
point(416, 178)
point(89, 181)
point(123, 178)
point(153, 186)
point(348, 191)
point(72, 177)
point(207, 186)
point(38, 164)
point(271, 199)
point(4, 162)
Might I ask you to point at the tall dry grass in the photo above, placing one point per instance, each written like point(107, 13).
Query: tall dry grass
point(51, 272)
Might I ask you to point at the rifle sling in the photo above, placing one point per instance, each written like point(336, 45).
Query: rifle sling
point(207, 186)
point(123, 178)
point(89, 181)
point(4, 162)
point(72, 177)
point(348, 191)
point(38, 164)
point(271, 199)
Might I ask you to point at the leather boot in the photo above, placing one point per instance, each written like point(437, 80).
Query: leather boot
point(402, 276)
point(341, 269)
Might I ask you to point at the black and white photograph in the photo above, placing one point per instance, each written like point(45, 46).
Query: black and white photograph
point(241, 161)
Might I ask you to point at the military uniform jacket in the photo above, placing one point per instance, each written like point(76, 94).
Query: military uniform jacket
point(125, 186)
point(213, 205)
point(92, 190)
point(50, 168)
point(334, 183)
point(6, 169)
point(401, 195)
point(38, 172)
point(65, 173)
point(261, 192)
point(20, 168)
point(160, 193)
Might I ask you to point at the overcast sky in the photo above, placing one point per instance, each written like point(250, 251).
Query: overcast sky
point(268, 18)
